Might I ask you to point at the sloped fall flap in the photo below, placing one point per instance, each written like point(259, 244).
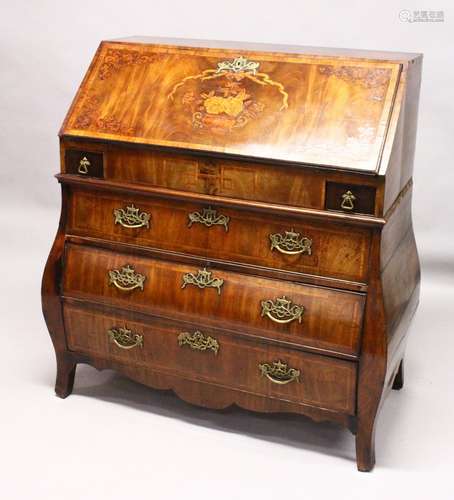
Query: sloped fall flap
point(284, 107)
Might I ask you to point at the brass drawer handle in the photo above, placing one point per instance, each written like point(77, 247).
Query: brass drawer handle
point(131, 218)
point(348, 199)
point(209, 217)
point(83, 166)
point(198, 341)
point(291, 243)
point(126, 279)
point(279, 372)
point(282, 310)
point(202, 279)
point(124, 338)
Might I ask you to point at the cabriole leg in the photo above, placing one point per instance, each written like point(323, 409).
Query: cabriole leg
point(365, 446)
point(399, 378)
point(66, 370)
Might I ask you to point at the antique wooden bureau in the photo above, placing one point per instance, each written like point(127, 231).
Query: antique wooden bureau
point(236, 226)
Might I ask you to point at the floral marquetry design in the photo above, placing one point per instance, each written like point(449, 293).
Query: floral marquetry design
point(118, 58)
point(228, 97)
point(112, 125)
point(88, 111)
point(88, 118)
point(374, 79)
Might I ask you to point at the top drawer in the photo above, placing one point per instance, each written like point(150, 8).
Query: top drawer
point(286, 185)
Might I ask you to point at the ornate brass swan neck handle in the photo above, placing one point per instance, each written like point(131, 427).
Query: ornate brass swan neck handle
point(282, 310)
point(203, 279)
point(126, 279)
point(348, 199)
point(209, 217)
point(198, 341)
point(279, 372)
point(124, 338)
point(291, 243)
point(131, 217)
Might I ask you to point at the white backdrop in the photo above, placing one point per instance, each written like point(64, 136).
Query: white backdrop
point(115, 439)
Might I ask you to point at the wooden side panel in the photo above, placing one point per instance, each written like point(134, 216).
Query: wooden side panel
point(323, 382)
point(399, 151)
point(335, 251)
point(400, 267)
point(372, 364)
point(414, 74)
point(391, 301)
point(332, 319)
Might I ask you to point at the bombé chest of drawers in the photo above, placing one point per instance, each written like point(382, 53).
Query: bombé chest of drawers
point(236, 226)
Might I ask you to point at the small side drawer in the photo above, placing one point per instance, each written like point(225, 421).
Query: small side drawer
point(350, 198)
point(87, 164)
point(207, 355)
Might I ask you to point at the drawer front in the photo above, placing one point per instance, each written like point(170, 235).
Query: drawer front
point(84, 163)
point(214, 232)
point(351, 198)
point(244, 180)
point(301, 314)
point(203, 355)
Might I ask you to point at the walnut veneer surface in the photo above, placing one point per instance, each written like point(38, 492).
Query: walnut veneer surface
point(236, 226)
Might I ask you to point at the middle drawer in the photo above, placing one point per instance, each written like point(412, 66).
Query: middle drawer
point(334, 250)
point(316, 317)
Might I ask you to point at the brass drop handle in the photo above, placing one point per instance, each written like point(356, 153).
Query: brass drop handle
point(282, 310)
point(124, 338)
point(131, 217)
point(203, 279)
point(279, 372)
point(209, 217)
point(291, 243)
point(348, 199)
point(198, 341)
point(83, 166)
point(126, 279)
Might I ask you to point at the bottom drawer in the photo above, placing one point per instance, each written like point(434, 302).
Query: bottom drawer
point(205, 355)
